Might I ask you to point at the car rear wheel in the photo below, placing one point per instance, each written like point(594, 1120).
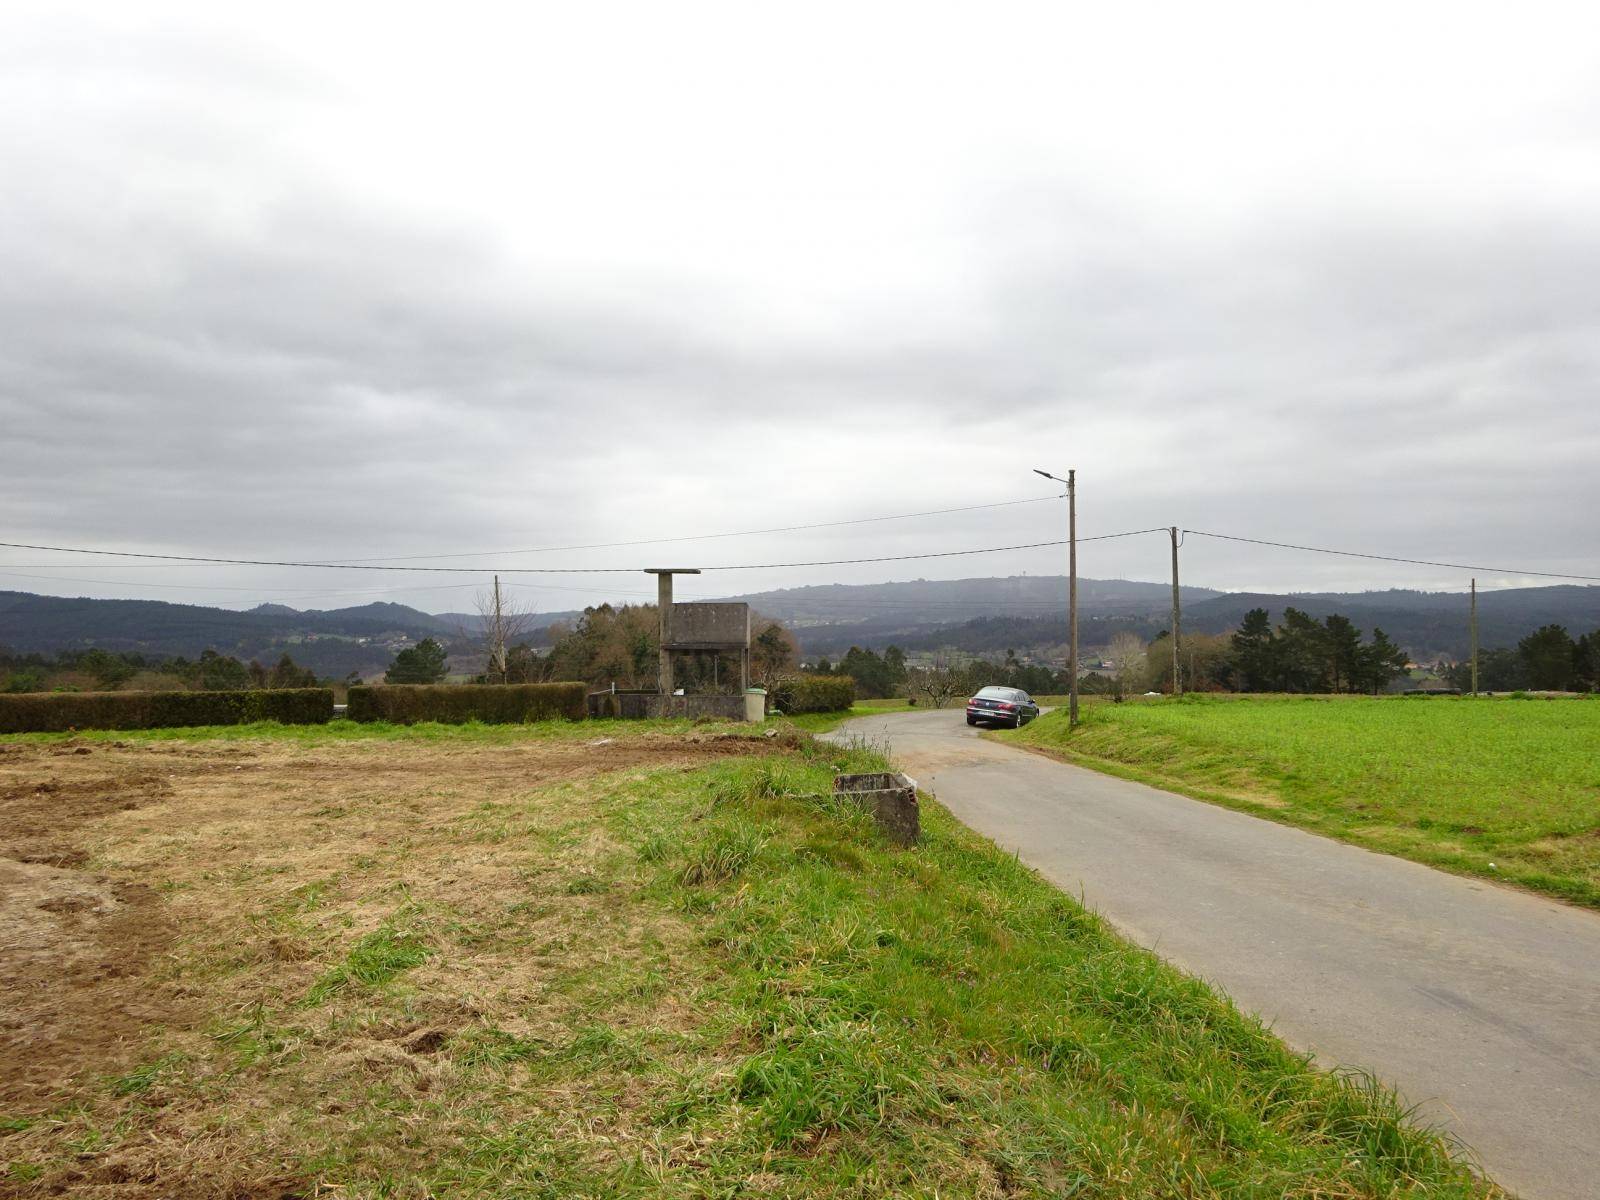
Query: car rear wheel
point(972, 720)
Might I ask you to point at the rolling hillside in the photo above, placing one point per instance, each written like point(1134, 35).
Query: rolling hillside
point(1430, 625)
point(1029, 612)
point(984, 616)
point(332, 642)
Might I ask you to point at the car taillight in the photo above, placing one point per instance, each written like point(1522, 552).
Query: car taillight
point(1007, 707)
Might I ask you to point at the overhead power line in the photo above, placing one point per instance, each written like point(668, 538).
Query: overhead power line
point(1420, 562)
point(486, 570)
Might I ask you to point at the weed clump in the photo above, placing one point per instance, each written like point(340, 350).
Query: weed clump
point(723, 856)
point(372, 961)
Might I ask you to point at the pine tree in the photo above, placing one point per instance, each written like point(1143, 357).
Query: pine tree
point(1254, 652)
point(1302, 659)
point(422, 663)
point(1548, 655)
point(1586, 662)
point(1378, 662)
point(1343, 646)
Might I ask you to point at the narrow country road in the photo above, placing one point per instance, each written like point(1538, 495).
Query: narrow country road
point(1480, 1003)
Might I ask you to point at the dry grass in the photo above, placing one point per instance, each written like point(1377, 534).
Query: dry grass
point(176, 913)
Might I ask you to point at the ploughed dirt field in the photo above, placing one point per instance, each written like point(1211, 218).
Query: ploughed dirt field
point(158, 897)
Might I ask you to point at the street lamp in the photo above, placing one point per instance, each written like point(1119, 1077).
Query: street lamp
point(1072, 589)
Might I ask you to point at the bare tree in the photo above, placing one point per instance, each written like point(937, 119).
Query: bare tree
point(773, 655)
point(504, 621)
point(1128, 662)
point(937, 685)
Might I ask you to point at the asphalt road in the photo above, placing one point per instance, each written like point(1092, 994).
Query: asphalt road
point(1479, 1003)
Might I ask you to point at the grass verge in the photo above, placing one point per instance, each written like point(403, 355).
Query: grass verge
point(665, 979)
point(1501, 788)
point(823, 722)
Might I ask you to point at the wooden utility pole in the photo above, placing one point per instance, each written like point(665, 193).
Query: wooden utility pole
point(1177, 617)
point(1474, 627)
point(1072, 589)
point(1072, 597)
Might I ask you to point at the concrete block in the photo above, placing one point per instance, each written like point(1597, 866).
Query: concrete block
point(890, 797)
point(703, 626)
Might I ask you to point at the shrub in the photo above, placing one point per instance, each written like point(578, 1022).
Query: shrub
point(814, 693)
point(56, 711)
point(454, 704)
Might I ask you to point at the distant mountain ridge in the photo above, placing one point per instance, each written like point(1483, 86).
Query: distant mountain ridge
point(1029, 612)
point(978, 615)
point(1430, 625)
point(332, 642)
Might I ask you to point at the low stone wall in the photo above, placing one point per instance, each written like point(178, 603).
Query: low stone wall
point(640, 705)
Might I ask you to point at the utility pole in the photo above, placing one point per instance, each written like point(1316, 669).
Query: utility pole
point(1177, 617)
point(499, 634)
point(1474, 626)
point(1072, 589)
point(1072, 597)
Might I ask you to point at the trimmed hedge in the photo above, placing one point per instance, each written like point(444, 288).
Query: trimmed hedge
point(814, 693)
point(453, 704)
point(54, 712)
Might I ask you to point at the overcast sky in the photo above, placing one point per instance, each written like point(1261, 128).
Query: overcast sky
point(339, 281)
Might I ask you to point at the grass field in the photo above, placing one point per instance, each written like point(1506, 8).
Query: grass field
point(602, 960)
point(1503, 788)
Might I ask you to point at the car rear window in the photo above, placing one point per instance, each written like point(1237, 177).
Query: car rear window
point(997, 693)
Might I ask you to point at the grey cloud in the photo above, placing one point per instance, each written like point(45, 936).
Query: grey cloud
point(278, 366)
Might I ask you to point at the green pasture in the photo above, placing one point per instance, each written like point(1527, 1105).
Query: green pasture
point(1504, 788)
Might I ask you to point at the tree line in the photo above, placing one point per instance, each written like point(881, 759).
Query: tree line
point(1548, 660)
point(879, 676)
point(607, 645)
point(1301, 654)
point(109, 670)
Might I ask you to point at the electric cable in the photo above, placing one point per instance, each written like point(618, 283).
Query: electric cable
point(491, 570)
point(1420, 562)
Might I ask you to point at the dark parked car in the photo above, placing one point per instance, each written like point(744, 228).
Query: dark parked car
point(1001, 706)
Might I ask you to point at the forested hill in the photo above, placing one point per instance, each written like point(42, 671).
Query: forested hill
point(921, 600)
point(331, 642)
point(1429, 625)
point(977, 615)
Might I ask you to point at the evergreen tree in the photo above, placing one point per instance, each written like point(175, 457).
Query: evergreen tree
point(868, 670)
point(894, 660)
point(1586, 662)
point(523, 665)
point(1343, 645)
point(422, 663)
point(1501, 670)
point(772, 655)
point(109, 670)
point(1255, 652)
point(1377, 663)
point(287, 675)
point(1303, 654)
point(1548, 654)
point(220, 673)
